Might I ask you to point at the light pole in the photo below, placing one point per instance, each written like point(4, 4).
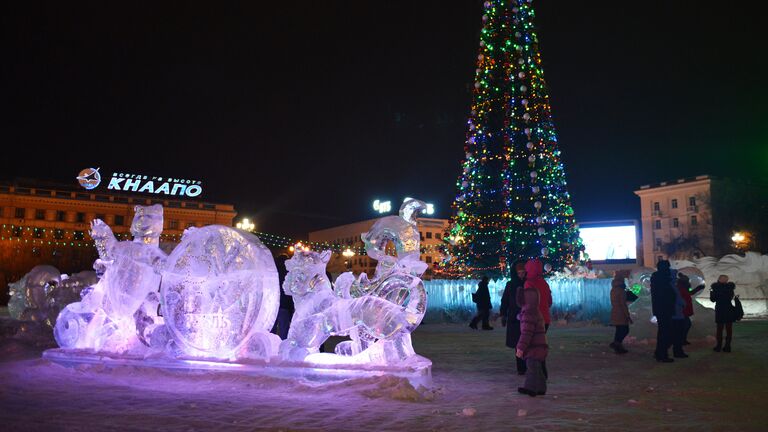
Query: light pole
point(246, 225)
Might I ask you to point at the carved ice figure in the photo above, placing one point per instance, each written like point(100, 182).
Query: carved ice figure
point(378, 315)
point(220, 292)
point(31, 296)
point(748, 272)
point(130, 274)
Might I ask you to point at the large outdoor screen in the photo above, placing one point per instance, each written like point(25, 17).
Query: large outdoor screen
point(610, 243)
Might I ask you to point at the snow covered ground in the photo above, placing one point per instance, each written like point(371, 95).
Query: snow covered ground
point(590, 388)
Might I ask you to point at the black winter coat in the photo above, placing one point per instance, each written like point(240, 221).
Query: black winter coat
point(722, 295)
point(510, 309)
point(663, 295)
point(483, 297)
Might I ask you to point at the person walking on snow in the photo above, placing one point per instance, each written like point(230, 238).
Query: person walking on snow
point(663, 304)
point(534, 271)
point(532, 345)
point(620, 317)
point(684, 286)
point(722, 294)
point(483, 299)
point(678, 323)
point(511, 304)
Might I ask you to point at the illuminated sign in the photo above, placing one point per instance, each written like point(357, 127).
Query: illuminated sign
point(610, 243)
point(386, 207)
point(430, 210)
point(382, 206)
point(90, 178)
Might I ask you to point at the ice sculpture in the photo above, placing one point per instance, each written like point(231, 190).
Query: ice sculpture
point(218, 296)
point(105, 316)
point(42, 293)
point(749, 272)
point(378, 315)
point(31, 295)
point(220, 288)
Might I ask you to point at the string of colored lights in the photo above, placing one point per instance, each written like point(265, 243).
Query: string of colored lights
point(512, 201)
point(80, 238)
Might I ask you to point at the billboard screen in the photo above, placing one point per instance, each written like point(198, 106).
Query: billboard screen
point(610, 243)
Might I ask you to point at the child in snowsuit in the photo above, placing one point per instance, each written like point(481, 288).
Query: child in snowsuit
point(532, 345)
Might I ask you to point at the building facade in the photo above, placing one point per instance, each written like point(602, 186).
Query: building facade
point(431, 230)
point(48, 223)
point(678, 220)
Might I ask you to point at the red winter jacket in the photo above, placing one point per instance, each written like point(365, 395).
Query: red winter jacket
point(684, 286)
point(533, 336)
point(534, 278)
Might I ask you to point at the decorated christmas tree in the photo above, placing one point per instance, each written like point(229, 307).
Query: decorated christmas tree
point(512, 199)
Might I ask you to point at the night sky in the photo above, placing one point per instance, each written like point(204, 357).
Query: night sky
point(301, 113)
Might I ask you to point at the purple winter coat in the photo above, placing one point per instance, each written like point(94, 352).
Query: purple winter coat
point(533, 337)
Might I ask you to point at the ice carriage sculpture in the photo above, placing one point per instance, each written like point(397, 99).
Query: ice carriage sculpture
point(211, 302)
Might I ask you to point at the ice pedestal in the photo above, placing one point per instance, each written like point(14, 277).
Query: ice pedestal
point(417, 369)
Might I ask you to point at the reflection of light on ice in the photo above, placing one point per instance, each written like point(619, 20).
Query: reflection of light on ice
point(582, 298)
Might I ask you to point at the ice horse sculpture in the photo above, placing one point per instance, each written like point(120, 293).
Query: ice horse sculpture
point(378, 315)
point(215, 296)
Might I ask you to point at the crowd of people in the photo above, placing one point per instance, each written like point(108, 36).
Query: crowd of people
point(527, 299)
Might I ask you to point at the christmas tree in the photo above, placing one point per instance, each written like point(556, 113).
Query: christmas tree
point(512, 200)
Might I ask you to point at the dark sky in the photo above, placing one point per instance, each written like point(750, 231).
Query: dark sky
point(301, 113)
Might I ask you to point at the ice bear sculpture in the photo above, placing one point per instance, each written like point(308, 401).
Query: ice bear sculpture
point(378, 315)
point(130, 276)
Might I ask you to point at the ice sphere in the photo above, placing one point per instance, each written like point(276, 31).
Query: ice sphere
point(219, 288)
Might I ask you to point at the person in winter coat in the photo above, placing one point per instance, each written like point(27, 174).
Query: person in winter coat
point(511, 303)
point(483, 299)
point(678, 321)
point(619, 311)
point(722, 294)
point(684, 287)
point(663, 300)
point(532, 345)
point(534, 271)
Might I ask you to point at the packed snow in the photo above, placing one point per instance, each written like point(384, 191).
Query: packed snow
point(590, 388)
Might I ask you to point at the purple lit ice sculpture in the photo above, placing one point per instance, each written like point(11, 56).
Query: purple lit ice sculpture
point(220, 294)
point(378, 315)
point(215, 296)
point(104, 318)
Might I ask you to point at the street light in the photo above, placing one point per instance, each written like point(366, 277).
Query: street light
point(740, 239)
point(246, 225)
point(348, 254)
